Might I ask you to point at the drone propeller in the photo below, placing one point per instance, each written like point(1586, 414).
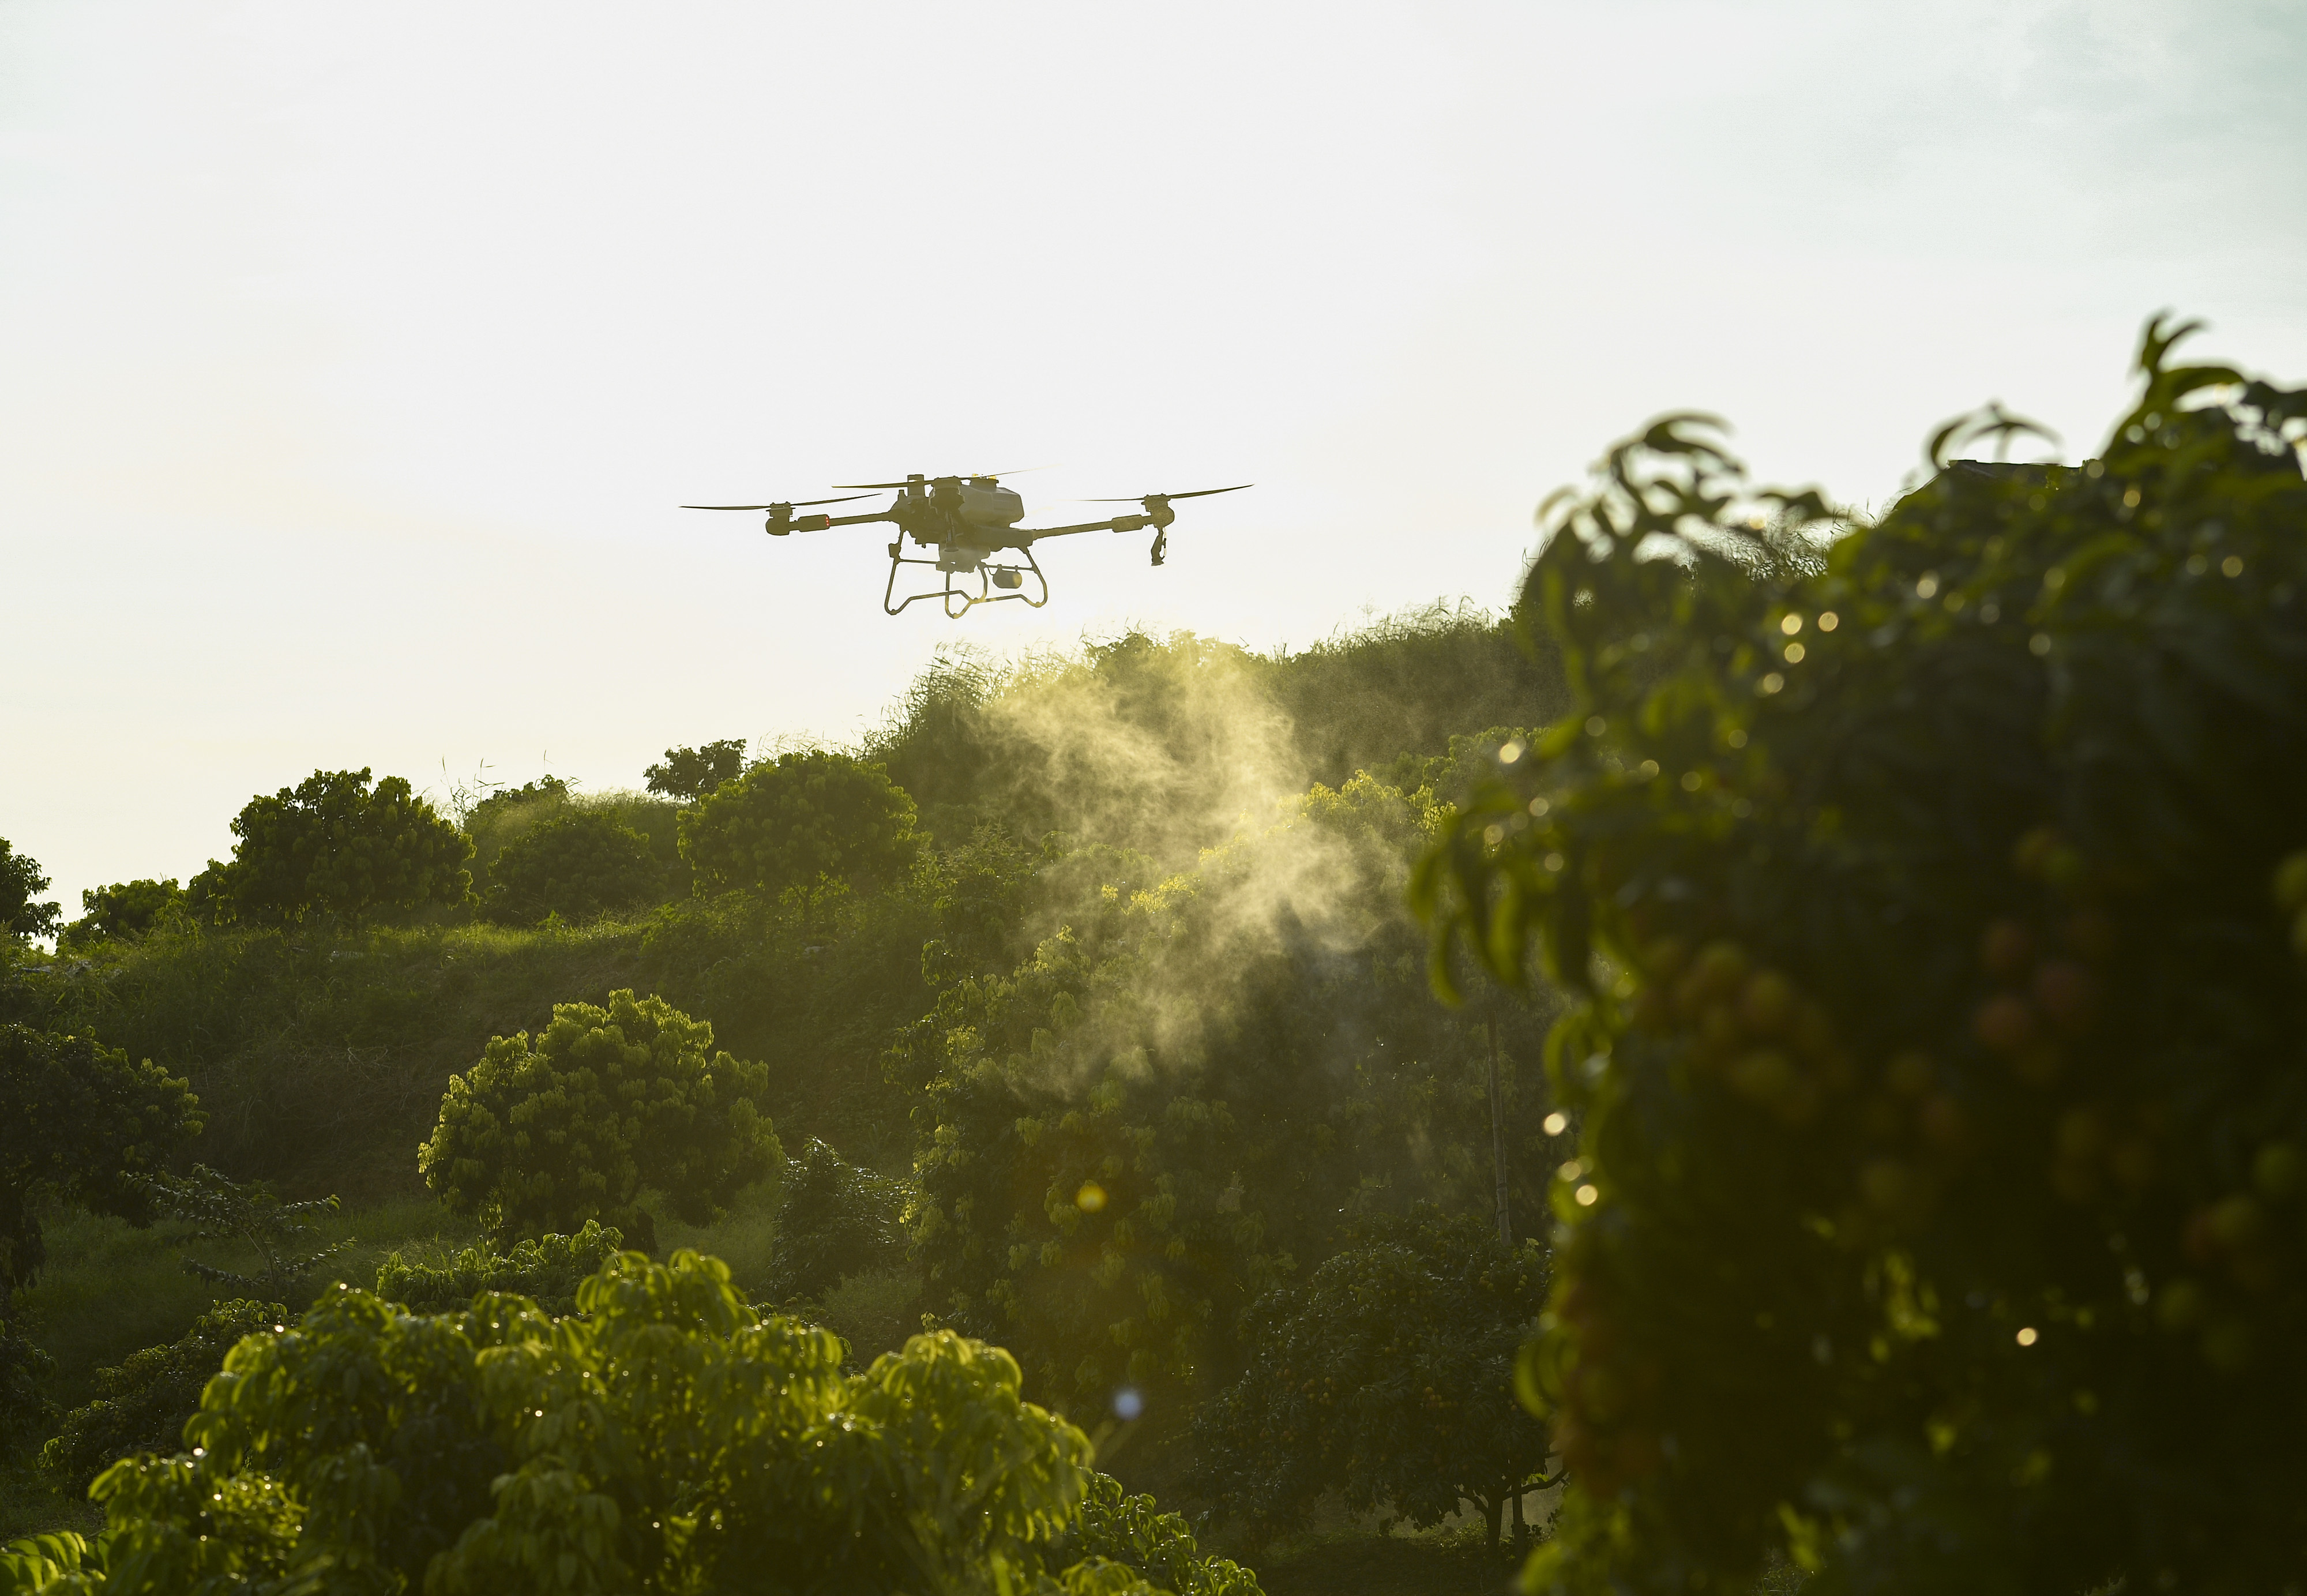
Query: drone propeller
point(1197, 494)
point(798, 504)
point(957, 476)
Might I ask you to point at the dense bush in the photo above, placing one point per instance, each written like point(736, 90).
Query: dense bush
point(834, 1219)
point(800, 820)
point(25, 1410)
point(142, 1405)
point(578, 864)
point(1386, 1377)
point(666, 1440)
point(1938, 1215)
point(332, 846)
point(78, 1123)
point(545, 1134)
point(547, 1270)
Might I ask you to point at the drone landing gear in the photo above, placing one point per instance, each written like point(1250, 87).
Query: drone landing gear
point(989, 577)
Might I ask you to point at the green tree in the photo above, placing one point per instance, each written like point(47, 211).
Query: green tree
point(545, 1134)
point(1179, 1100)
point(21, 882)
point(122, 911)
point(834, 1219)
point(253, 1216)
point(690, 773)
point(1937, 1216)
point(1386, 1377)
point(78, 1123)
point(332, 846)
point(668, 1440)
point(800, 820)
point(578, 865)
point(142, 1405)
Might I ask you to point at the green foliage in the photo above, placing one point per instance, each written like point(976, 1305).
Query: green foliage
point(545, 1133)
point(142, 1405)
point(547, 1270)
point(1179, 1098)
point(834, 1219)
point(78, 1123)
point(1134, 1533)
point(24, 1407)
point(1937, 1048)
point(668, 1440)
point(332, 846)
point(580, 864)
point(20, 882)
point(122, 911)
point(250, 1215)
point(57, 1563)
point(800, 820)
point(690, 773)
point(1387, 1376)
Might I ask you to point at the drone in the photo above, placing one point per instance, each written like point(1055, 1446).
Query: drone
point(967, 521)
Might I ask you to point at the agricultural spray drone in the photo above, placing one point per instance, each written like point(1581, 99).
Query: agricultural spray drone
point(967, 521)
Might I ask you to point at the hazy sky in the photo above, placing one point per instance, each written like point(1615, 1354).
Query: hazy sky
point(354, 357)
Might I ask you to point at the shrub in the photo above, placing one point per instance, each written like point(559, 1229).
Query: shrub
point(331, 845)
point(578, 865)
point(1387, 1376)
point(547, 1270)
point(1938, 1215)
point(78, 1123)
point(834, 1219)
point(803, 818)
point(668, 1439)
point(25, 1409)
point(142, 1405)
point(545, 1133)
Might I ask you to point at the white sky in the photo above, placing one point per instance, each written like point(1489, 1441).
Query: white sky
point(353, 358)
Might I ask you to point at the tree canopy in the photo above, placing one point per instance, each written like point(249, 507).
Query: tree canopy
point(690, 773)
point(78, 1121)
point(122, 911)
point(546, 1133)
point(333, 846)
point(1387, 1376)
point(1936, 1218)
point(577, 864)
point(22, 917)
point(668, 1439)
point(798, 819)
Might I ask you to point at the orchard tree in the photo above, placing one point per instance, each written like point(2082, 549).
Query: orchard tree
point(142, 1405)
point(1177, 1101)
point(798, 820)
point(834, 1219)
point(21, 883)
point(1938, 1217)
point(333, 846)
point(668, 1439)
point(1387, 1375)
point(80, 1123)
point(689, 774)
point(122, 911)
point(548, 1132)
point(578, 865)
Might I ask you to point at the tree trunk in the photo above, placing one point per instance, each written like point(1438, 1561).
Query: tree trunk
point(1521, 1530)
point(1494, 1508)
